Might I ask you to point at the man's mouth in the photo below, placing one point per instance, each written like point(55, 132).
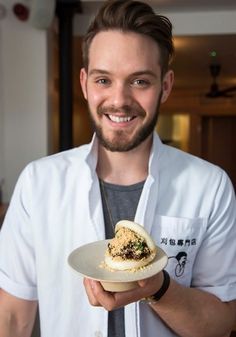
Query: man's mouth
point(119, 119)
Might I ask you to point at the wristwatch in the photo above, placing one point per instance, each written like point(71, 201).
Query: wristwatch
point(158, 295)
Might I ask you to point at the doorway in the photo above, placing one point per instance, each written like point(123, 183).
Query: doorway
point(218, 143)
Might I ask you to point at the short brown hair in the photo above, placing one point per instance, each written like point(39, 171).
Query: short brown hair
point(135, 16)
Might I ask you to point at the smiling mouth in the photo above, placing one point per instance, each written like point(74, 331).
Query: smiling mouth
point(118, 119)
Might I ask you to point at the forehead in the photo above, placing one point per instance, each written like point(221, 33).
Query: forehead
point(116, 49)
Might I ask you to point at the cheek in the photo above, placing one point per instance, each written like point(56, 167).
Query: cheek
point(95, 97)
point(94, 100)
point(148, 102)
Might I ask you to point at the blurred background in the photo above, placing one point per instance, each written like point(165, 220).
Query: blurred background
point(42, 110)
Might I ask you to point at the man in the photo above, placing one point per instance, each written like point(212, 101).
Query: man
point(69, 199)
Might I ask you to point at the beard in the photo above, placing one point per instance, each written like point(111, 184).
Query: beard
point(120, 141)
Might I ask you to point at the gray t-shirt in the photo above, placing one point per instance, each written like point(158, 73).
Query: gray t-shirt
point(119, 203)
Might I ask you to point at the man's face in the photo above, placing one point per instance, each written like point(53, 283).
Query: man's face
point(123, 87)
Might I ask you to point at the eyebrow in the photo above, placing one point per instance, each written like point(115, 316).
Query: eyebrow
point(98, 71)
point(136, 73)
point(144, 72)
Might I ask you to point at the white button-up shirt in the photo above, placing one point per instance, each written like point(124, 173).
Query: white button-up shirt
point(187, 204)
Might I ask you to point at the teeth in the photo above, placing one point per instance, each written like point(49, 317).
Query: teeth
point(118, 119)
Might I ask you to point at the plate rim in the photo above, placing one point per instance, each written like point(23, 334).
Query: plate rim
point(140, 275)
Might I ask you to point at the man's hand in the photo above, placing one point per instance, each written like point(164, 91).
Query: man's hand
point(112, 300)
point(190, 312)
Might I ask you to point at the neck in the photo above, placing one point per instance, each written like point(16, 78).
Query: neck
point(124, 168)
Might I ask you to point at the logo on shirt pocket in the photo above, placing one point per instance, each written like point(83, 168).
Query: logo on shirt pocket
point(180, 260)
point(180, 238)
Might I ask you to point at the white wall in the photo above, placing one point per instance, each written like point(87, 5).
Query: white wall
point(23, 94)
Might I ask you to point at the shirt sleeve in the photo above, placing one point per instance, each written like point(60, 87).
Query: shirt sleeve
point(214, 269)
point(17, 259)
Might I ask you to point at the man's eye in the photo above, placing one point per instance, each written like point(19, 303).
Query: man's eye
point(102, 81)
point(141, 83)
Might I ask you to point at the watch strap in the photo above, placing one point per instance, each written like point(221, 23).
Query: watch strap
point(158, 295)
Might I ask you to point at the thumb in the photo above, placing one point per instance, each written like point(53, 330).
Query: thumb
point(142, 283)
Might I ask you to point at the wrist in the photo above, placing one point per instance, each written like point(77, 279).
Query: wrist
point(161, 292)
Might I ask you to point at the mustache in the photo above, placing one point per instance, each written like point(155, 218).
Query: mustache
point(126, 109)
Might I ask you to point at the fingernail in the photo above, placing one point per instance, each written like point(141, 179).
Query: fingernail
point(92, 282)
point(142, 283)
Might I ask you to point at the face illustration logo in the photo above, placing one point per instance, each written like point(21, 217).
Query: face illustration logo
point(181, 259)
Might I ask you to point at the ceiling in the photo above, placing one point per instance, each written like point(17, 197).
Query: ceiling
point(181, 5)
point(193, 53)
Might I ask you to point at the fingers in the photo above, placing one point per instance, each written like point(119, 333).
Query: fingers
point(104, 298)
point(127, 297)
point(99, 297)
point(142, 283)
point(88, 284)
point(152, 284)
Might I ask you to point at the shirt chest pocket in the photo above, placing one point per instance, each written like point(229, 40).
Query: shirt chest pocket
point(181, 239)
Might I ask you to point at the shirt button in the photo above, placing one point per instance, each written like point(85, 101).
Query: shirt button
point(98, 334)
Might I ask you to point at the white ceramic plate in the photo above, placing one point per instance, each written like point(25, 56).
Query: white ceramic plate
point(86, 260)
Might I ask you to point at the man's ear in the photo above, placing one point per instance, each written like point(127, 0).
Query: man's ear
point(167, 85)
point(83, 81)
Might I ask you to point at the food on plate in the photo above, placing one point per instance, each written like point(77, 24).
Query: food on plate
point(131, 248)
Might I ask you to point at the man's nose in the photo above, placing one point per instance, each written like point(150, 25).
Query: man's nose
point(121, 95)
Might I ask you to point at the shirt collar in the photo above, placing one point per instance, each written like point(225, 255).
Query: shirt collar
point(156, 150)
point(92, 154)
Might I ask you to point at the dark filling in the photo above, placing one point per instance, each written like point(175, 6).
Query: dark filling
point(134, 250)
